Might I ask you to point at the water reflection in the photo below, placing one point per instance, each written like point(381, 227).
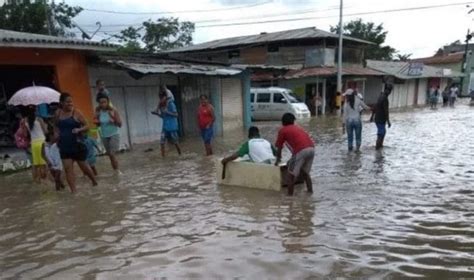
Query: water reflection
point(402, 212)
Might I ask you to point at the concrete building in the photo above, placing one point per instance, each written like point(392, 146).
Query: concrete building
point(452, 58)
point(134, 82)
point(412, 81)
point(307, 54)
point(60, 63)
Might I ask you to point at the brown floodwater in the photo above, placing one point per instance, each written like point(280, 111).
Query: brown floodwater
point(407, 211)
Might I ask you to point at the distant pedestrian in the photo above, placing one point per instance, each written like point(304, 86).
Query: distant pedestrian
point(352, 121)
point(445, 96)
point(37, 129)
point(71, 124)
point(92, 148)
point(302, 149)
point(53, 158)
point(109, 121)
point(101, 89)
point(206, 120)
point(169, 114)
point(453, 95)
point(434, 96)
point(381, 115)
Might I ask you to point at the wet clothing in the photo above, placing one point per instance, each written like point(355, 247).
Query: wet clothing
point(303, 160)
point(111, 144)
point(354, 127)
point(170, 122)
point(37, 152)
point(36, 132)
point(171, 136)
point(70, 146)
point(107, 127)
point(37, 140)
point(205, 120)
point(207, 134)
point(382, 110)
point(353, 114)
point(259, 150)
point(205, 116)
point(381, 130)
point(91, 145)
point(295, 137)
point(52, 154)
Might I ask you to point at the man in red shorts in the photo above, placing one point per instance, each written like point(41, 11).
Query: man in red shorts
point(302, 149)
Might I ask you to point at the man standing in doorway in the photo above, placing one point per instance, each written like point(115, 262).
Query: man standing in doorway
point(206, 121)
point(381, 115)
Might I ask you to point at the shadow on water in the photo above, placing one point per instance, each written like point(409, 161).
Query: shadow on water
point(402, 212)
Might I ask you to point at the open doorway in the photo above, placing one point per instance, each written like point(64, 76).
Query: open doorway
point(12, 79)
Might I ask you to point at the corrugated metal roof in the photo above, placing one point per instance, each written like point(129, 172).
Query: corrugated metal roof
point(400, 70)
point(331, 71)
point(177, 68)
point(10, 38)
point(294, 34)
point(442, 59)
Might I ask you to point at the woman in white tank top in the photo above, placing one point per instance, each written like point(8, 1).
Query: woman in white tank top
point(37, 129)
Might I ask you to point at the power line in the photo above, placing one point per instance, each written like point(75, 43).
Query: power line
point(332, 16)
point(312, 18)
point(178, 12)
point(229, 19)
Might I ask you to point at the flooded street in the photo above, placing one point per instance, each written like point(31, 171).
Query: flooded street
point(406, 211)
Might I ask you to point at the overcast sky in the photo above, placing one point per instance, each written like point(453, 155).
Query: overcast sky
point(420, 32)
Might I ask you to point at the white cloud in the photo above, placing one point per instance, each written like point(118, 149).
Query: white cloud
point(420, 32)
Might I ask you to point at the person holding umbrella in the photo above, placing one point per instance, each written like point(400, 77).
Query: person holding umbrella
point(70, 124)
point(36, 128)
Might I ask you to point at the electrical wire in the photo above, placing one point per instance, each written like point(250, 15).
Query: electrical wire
point(332, 16)
point(177, 12)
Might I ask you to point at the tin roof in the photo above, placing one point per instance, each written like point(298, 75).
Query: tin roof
point(16, 39)
point(330, 71)
point(442, 59)
point(176, 68)
point(401, 70)
point(287, 35)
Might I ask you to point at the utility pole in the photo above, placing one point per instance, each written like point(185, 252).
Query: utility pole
point(464, 60)
point(48, 19)
point(339, 53)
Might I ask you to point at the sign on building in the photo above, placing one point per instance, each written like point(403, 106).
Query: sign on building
point(415, 69)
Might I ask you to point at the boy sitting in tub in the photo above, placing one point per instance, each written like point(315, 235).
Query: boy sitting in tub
point(256, 148)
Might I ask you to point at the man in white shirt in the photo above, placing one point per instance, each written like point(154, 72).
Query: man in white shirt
point(258, 149)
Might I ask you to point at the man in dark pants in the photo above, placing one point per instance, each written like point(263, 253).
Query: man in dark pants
point(381, 115)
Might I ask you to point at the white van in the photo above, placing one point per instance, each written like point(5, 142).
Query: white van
point(271, 103)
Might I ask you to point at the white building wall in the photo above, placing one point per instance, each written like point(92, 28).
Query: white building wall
point(134, 99)
point(232, 103)
point(422, 90)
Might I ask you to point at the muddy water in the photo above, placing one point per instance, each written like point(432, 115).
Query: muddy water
point(406, 211)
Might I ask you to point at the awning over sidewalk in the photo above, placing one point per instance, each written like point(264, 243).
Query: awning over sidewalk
point(331, 71)
point(177, 68)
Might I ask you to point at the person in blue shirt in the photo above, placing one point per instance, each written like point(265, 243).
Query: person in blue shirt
point(169, 114)
point(92, 148)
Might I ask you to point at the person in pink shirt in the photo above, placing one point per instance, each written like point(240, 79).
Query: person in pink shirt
point(302, 149)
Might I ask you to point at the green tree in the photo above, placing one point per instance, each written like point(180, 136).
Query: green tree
point(403, 57)
point(38, 17)
point(130, 38)
point(155, 36)
point(371, 32)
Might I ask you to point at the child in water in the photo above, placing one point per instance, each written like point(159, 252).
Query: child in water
point(92, 149)
point(51, 154)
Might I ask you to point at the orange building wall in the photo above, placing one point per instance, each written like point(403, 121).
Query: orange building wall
point(71, 71)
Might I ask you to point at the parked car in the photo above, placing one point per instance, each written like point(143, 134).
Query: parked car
point(271, 103)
